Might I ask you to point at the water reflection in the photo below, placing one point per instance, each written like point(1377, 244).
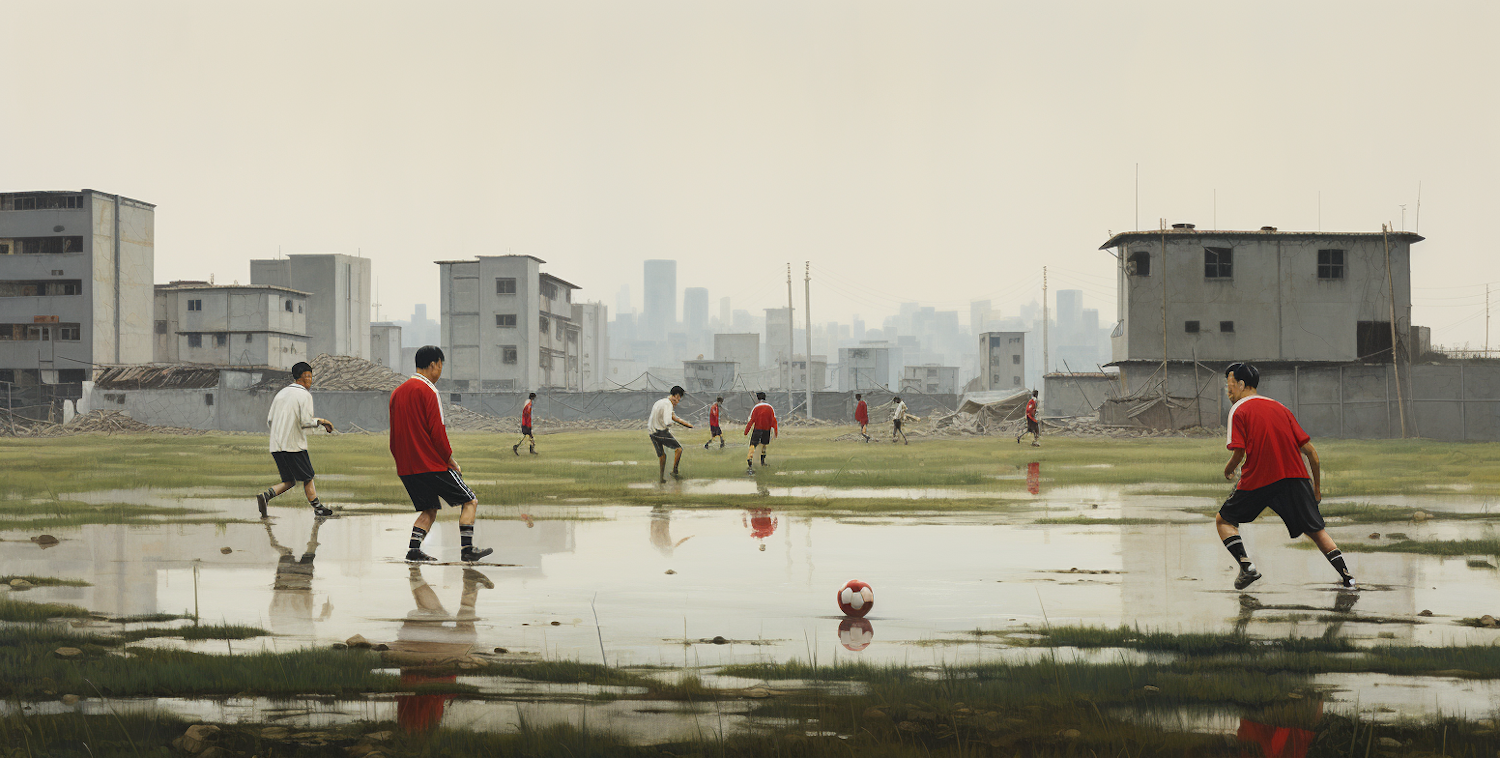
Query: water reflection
point(1280, 732)
point(291, 591)
point(661, 531)
point(1341, 613)
point(431, 646)
point(1034, 477)
point(761, 524)
point(856, 634)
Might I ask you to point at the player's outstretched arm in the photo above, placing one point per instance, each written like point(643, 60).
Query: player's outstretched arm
point(1316, 467)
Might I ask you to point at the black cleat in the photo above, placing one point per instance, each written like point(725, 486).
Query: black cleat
point(415, 555)
point(1246, 578)
point(471, 554)
point(721, 444)
point(260, 502)
point(322, 511)
point(534, 452)
point(516, 448)
point(705, 445)
point(1348, 584)
point(676, 475)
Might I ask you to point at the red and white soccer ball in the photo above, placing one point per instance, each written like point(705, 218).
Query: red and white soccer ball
point(856, 634)
point(856, 598)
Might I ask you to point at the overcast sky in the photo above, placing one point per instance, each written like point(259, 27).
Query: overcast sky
point(937, 152)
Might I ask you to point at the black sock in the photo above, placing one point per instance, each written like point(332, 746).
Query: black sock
point(466, 535)
point(314, 502)
point(1336, 558)
point(762, 460)
point(270, 493)
point(1236, 547)
point(417, 535)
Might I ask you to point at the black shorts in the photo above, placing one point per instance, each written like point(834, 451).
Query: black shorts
point(664, 441)
point(1291, 498)
point(294, 467)
point(525, 431)
point(429, 489)
point(897, 424)
point(1033, 426)
point(715, 431)
point(760, 437)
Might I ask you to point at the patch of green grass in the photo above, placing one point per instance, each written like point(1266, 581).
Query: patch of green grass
point(1183, 643)
point(568, 672)
point(149, 618)
point(1427, 547)
point(203, 632)
point(1091, 521)
point(45, 581)
point(20, 610)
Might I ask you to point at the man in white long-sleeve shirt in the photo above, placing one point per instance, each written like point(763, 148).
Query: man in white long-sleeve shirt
point(290, 417)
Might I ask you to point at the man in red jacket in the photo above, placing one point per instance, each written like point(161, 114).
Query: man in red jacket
point(1033, 426)
point(713, 424)
point(862, 416)
point(424, 459)
point(526, 427)
point(763, 421)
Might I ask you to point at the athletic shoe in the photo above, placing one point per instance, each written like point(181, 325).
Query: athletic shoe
point(1349, 584)
point(472, 554)
point(534, 452)
point(260, 502)
point(705, 446)
point(676, 475)
point(415, 555)
point(472, 576)
point(1246, 578)
point(721, 444)
point(1036, 444)
point(516, 448)
point(749, 470)
point(322, 511)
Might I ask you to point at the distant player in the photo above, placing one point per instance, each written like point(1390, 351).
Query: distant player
point(862, 416)
point(761, 427)
point(525, 427)
point(424, 459)
point(713, 424)
point(1033, 426)
point(898, 414)
point(660, 425)
point(1267, 438)
point(290, 417)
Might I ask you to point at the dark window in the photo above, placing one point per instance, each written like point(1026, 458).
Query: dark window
point(249, 338)
point(994, 342)
point(1191, 327)
point(47, 245)
point(549, 290)
point(1217, 262)
point(1138, 264)
point(220, 340)
point(1015, 359)
point(5, 249)
point(69, 333)
point(1372, 341)
point(288, 306)
point(208, 399)
point(195, 340)
point(161, 327)
point(299, 307)
point(509, 354)
point(1330, 264)
point(1226, 326)
point(546, 325)
point(39, 287)
point(505, 319)
point(195, 305)
point(505, 286)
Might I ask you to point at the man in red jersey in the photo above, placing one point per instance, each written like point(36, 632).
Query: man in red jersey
point(862, 415)
point(713, 424)
point(526, 427)
point(1033, 426)
point(763, 422)
point(1266, 437)
point(424, 459)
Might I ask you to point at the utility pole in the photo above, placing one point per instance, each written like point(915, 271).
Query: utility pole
point(807, 322)
point(1395, 368)
point(1044, 321)
point(1486, 320)
point(791, 340)
point(1165, 389)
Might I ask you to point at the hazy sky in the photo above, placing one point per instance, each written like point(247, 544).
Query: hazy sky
point(937, 152)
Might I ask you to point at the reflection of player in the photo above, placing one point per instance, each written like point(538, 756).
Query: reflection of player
point(856, 634)
point(661, 531)
point(1282, 741)
point(426, 647)
point(291, 594)
point(761, 524)
point(1034, 477)
point(1343, 612)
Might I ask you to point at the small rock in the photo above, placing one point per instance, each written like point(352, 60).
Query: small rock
point(500, 650)
point(1151, 688)
point(557, 623)
point(1487, 620)
point(1374, 535)
point(226, 550)
point(757, 693)
point(379, 736)
point(358, 641)
point(382, 647)
point(70, 699)
point(45, 540)
point(197, 738)
point(1425, 612)
point(670, 572)
point(1388, 742)
point(909, 726)
point(1420, 516)
point(1070, 734)
point(1294, 695)
point(20, 584)
point(339, 646)
point(67, 653)
point(719, 641)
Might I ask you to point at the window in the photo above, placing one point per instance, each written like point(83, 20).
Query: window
point(1226, 326)
point(249, 338)
point(288, 306)
point(5, 248)
point(546, 324)
point(1330, 264)
point(549, 290)
point(161, 326)
point(208, 399)
point(505, 319)
point(1217, 262)
point(932, 388)
point(299, 307)
point(44, 245)
point(39, 287)
point(932, 372)
point(1372, 341)
point(1138, 264)
point(1015, 359)
point(69, 333)
point(1191, 327)
point(195, 340)
point(562, 330)
point(509, 354)
point(220, 340)
point(195, 305)
point(1015, 381)
point(505, 286)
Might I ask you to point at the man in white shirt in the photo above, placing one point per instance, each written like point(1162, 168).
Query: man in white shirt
point(290, 417)
point(660, 426)
point(898, 414)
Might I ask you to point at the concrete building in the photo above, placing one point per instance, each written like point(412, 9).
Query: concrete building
point(708, 376)
point(593, 351)
point(1078, 394)
point(780, 334)
point(866, 367)
point(230, 325)
point(76, 287)
point(507, 326)
point(695, 310)
point(419, 330)
point(1002, 361)
point(931, 379)
point(742, 349)
point(338, 303)
point(801, 371)
point(659, 312)
point(385, 345)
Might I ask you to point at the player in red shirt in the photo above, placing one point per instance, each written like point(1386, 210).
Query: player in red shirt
point(1267, 438)
point(763, 421)
point(526, 427)
point(862, 415)
point(713, 424)
point(424, 459)
point(1033, 426)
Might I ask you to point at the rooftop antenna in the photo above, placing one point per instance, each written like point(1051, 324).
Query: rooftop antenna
point(1419, 208)
point(1320, 210)
point(1403, 217)
point(377, 298)
point(1137, 197)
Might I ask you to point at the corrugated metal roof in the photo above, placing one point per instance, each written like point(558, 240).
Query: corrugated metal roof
point(157, 378)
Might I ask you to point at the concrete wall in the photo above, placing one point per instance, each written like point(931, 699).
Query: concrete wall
point(385, 345)
point(593, 325)
point(1076, 395)
point(864, 368)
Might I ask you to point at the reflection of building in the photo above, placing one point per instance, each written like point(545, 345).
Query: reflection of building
point(338, 302)
point(231, 325)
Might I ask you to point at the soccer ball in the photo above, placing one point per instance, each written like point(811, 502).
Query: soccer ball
point(856, 599)
point(856, 634)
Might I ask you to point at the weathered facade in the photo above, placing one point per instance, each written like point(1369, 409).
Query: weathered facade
point(708, 376)
point(800, 371)
point(866, 367)
point(338, 303)
point(385, 345)
point(230, 325)
point(593, 357)
point(1077, 394)
point(1002, 361)
point(930, 379)
point(506, 326)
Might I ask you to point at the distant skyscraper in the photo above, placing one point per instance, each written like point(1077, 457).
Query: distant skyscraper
point(978, 311)
point(1069, 312)
point(695, 309)
point(659, 313)
point(622, 300)
point(726, 314)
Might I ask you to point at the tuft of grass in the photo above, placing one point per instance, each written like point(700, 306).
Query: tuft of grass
point(21, 610)
point(200, 632)
point(1451, 548)
point(45, 581)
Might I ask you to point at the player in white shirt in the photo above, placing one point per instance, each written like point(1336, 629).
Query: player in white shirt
point(290, 417)
point(660, 426)
point(898, 414)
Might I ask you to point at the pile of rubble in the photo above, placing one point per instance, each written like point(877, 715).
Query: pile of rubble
point(93, 422)
point(1087, 426)
point(332, 373)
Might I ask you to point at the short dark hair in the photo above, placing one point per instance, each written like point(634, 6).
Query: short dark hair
point(858, 396)
point(896, 399)
point(1034, 393)
point(678, 391)
point(532, 396)
point(760, 396)
point(299, 369)
point(718, 400)
point(427, 354)
point(1244, 372)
